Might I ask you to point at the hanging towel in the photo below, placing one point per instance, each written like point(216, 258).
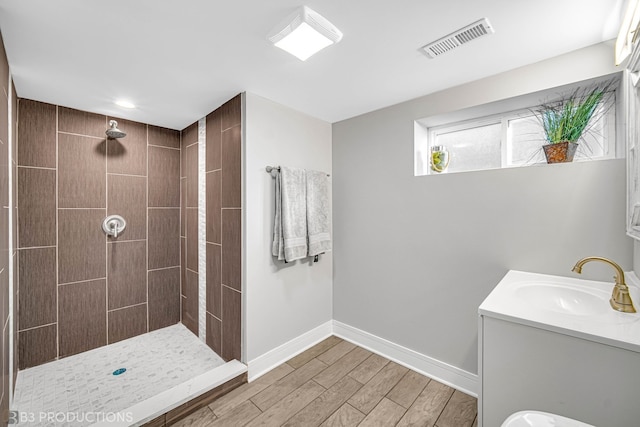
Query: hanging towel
point(290, 225)
point(318, 212)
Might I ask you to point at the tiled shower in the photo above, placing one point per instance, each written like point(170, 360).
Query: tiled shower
point(79, 289)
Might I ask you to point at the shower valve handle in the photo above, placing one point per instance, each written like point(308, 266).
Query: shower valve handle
point(113, 225)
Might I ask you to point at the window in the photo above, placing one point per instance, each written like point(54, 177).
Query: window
point(509, 139)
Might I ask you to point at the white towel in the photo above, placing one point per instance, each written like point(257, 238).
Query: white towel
point(290, 224)
point(318, 213)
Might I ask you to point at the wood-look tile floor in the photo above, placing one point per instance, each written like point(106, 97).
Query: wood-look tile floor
point(336, 383)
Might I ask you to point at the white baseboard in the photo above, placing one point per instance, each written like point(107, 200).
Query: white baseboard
point(266, 362)
point(433, 368)
point(454, 377)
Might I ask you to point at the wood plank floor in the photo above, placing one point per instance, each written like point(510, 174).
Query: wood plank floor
point(336, 383)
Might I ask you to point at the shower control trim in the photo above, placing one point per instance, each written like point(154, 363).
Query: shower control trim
point(113, 225)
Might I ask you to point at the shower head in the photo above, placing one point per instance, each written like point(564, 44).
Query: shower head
point(113, 131)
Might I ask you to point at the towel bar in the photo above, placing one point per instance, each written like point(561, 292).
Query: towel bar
point(269, 169)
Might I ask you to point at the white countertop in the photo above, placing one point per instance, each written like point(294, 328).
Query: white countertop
point(607, 326)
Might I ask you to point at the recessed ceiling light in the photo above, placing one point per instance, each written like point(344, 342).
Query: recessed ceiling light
point(304, 33)
point(124, 103)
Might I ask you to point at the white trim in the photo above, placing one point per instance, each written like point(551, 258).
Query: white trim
point(161, 403)
point(273, 358)
point(447, 374)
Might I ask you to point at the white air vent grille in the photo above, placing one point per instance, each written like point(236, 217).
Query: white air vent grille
point(458, 38)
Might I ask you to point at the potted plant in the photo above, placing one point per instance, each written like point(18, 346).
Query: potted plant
point(564, 122)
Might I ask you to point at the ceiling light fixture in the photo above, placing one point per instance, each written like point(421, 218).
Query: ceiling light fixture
point(124, 103)
point(304, 33)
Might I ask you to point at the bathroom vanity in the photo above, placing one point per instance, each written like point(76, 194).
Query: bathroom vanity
point(554, 344)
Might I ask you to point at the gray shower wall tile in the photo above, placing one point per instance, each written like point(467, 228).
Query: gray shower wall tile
point(164, 177)
point(214, 205)
point(126, 273)
point(190, 134)
point(214, 290)
point(183, 206)
point(81, 122)
point(192, 176)
point(214, 141)
point(190, 302)
point(231, 112)
point(231, 168)
point(232, 248)
point(164, 234)
point(231, 324)
point(127, 323)
point(164, 298)
point(164, 137)
point(128, 155)
point(36, 207)
point(127, 197)
point(38, 298)
point(81, 172)
point(81, 245)
point(82, 316)
point(192, 239)
point(37, 346)
point(37, 129)
point(214, 333)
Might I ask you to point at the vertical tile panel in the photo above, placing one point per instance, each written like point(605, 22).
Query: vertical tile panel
point(126, 273)
point(231, 112)
point(127, 197)
point(214, 334)
point(231, 168)
point(37, 128)
point(183, 264)
point(190, 302)
point(214, 266)
point(164, 137)
point(231, 324)
point(183, 206)
point(164, 177)
point(192, 239)
point(164, 234)
point(81, 245)
point(81, 123)
point(164, 298)
point(190, 134)
point(127, 323)
point(192, 176)
point(128, 155)
point(214, 204)
point(231, 248)
point(82, 317)
point(37, 207)
point(37, 346)
point(81, 172)
point(214, 130)
point(38, 303)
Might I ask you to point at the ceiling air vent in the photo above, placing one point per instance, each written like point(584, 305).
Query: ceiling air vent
point(458, 38)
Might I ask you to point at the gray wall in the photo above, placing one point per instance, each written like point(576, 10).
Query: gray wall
point(415, 256)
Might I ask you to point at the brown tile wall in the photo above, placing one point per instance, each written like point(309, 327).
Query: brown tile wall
point(78, 289)
point(223, 228)
point(6, 255)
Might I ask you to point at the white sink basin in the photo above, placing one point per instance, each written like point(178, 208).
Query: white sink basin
point(541, 419)
point(565, 298)
point(567, 305)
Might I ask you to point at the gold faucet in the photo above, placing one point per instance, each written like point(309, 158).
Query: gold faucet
point(620, 298)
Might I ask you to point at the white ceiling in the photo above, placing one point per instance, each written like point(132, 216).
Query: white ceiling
point(179, 60)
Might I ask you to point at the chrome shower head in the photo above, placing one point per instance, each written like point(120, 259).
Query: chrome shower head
point(113, 131)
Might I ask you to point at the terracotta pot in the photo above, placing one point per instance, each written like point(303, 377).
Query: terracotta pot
point(560, 152)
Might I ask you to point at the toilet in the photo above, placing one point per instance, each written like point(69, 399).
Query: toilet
point(541, 419)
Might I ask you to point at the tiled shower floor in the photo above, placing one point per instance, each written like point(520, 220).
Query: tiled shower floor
point(85, 384)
